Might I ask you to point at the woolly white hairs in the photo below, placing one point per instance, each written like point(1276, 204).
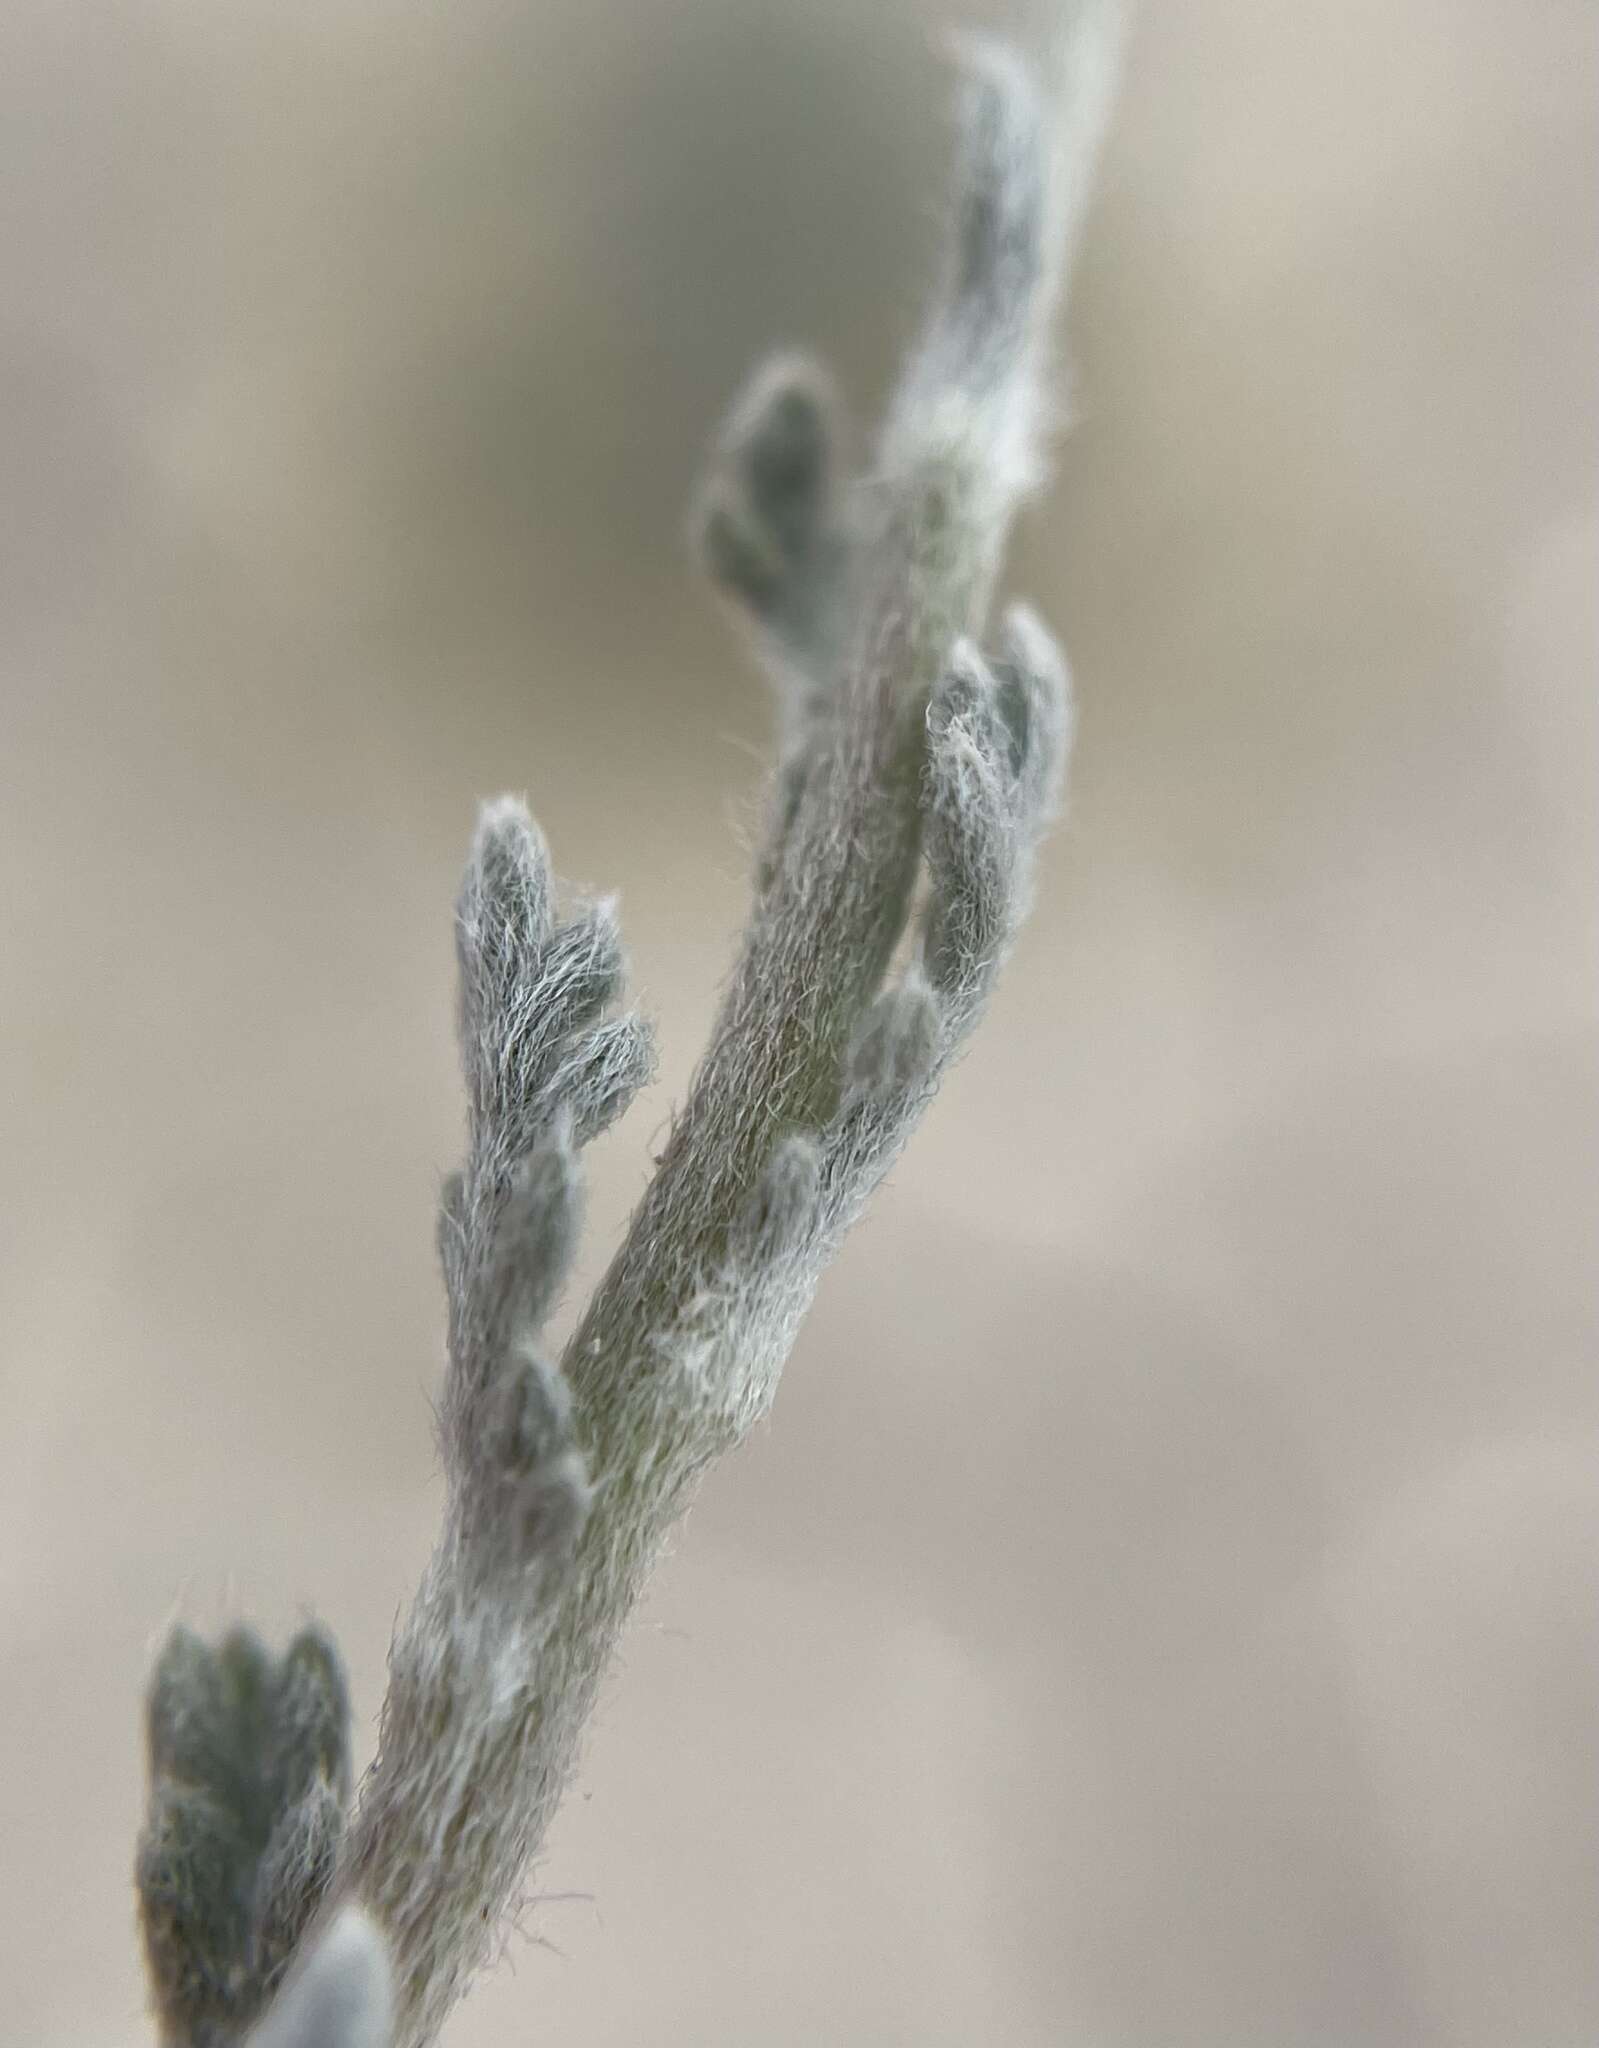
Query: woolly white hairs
point(338, 1997)
point(907, 754)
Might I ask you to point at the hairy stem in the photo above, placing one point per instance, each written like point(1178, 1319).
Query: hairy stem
point(914, 776)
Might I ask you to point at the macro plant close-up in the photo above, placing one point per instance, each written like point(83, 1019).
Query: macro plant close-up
point(905, 747)
point(1083, 1175)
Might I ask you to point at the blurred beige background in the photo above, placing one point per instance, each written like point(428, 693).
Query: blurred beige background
point(1163, 1611)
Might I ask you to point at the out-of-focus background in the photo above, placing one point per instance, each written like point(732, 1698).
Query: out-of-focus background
point(1163, 1611)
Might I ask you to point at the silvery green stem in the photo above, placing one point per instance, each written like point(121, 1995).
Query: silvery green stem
point(915, 774)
